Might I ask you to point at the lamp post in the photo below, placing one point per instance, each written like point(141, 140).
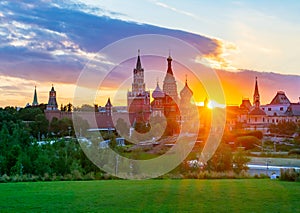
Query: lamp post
point(69, 129)
point(267, 162)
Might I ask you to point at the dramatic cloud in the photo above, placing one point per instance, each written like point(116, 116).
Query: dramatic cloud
point(53, 40)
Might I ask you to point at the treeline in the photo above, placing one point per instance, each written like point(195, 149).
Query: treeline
point(22, 152)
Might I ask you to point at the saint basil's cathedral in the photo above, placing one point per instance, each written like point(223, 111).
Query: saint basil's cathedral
point(165, 101)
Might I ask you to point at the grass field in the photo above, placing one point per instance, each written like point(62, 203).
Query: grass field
point(245, 195)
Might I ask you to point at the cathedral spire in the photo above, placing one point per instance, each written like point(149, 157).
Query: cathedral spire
point(35, 101)
point(169, 59)
point(256, 97)
point(138, 63)
point(186, 80)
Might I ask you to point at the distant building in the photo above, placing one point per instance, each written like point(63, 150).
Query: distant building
point(102, 115)
point(260, 117)
point(278, 105)
point(35, 99)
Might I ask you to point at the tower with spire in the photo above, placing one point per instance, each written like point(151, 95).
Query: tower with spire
point(256, 97)
point(108, 107)
point(256, 116)
point(169, 85)
point(52, 103)
point(138, 99)
point(35, 99)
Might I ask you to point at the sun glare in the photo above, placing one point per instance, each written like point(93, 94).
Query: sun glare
point(213, 104)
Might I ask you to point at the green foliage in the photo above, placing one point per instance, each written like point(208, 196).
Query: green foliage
point(240, 161)
point(221, 160)
point(40, 126)
point(294, 152)
point(289, 174)
point(21, 154)
point(248, 142)
point(142, 127)
point(29, 113)
point(122, 127)
point(284, 128)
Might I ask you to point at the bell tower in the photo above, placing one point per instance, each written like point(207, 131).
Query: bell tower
point(256, 97)
point(138, 99)
point(52, 103)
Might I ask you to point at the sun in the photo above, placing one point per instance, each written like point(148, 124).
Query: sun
point(210, 105)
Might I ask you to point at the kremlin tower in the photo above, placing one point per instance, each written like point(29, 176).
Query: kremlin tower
point(35, 100)
point(52, 104)
point(138, 99)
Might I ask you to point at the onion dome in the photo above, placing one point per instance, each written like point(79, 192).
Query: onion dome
point(186, 91)
point(158, 93)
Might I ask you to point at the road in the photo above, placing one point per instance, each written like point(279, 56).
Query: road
point(268, 170)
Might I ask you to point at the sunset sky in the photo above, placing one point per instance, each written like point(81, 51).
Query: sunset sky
point(49, 42)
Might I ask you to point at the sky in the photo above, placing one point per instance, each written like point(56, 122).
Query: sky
point(50, 42)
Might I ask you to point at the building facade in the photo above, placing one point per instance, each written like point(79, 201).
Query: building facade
point(260, 117)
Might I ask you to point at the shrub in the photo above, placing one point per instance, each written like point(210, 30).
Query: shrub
point(4, 178)
point(76, 175)
point(248, 142)
point(89, 176)
point(289, 174)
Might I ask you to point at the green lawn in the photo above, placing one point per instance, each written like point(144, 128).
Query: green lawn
point(245, 195)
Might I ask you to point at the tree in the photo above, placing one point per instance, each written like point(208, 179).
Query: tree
point(29, 113)
point(294, 152)
point(122, 127)
point(240, 161)
point(40, 126)
point(65, 126)
point(284, 127)
point(81, 126)
point(221, 160)
point(249, 142)
point(54, 126)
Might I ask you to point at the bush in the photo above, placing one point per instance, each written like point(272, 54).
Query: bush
point(248, 142)
point(89, 176)
point(289, 174)
point(4, 178)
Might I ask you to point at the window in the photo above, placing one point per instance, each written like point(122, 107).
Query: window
point(281, 108)
point(269, 109)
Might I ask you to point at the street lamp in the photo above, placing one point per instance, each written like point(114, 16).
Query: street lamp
point(69, 129)
point(267, 162)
